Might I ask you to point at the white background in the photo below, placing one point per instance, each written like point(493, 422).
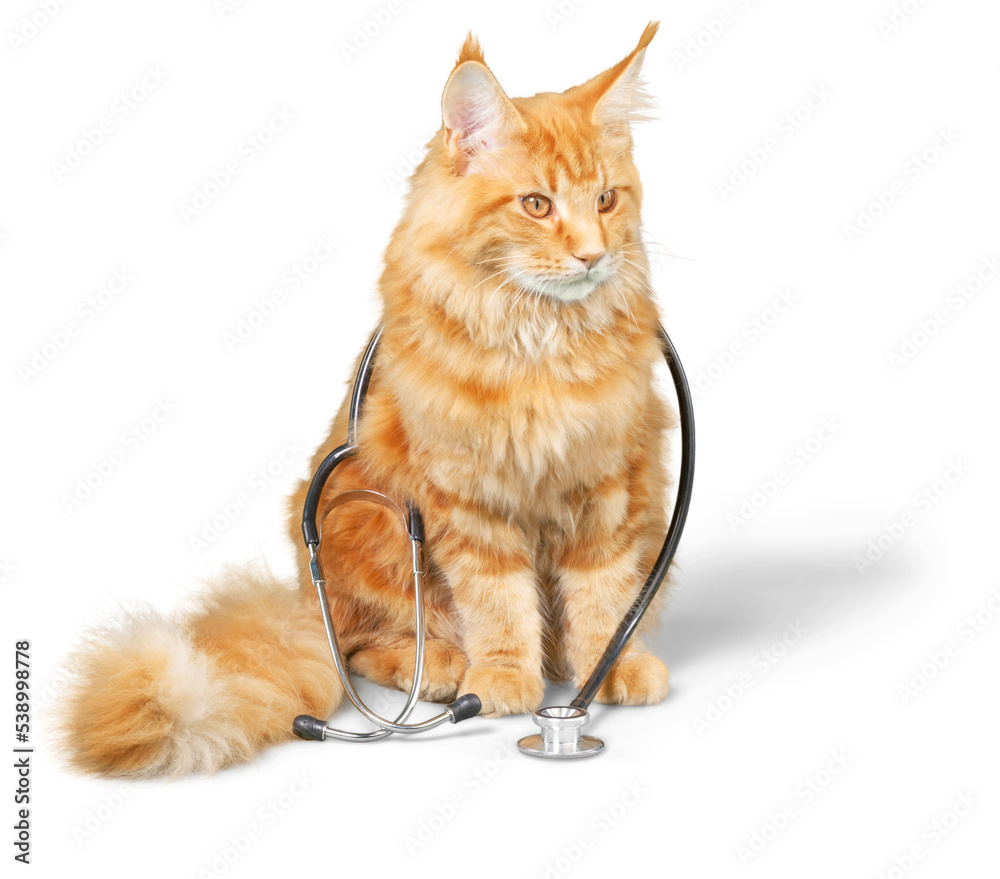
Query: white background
point(775, 545)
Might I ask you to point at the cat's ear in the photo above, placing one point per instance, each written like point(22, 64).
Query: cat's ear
point(478, 117)
point(618, 93)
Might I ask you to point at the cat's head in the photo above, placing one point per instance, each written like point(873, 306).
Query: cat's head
point(531, 197)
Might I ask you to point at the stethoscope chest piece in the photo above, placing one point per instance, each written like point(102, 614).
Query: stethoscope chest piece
point(561, 734)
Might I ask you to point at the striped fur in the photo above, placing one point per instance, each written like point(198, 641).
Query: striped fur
point(525, 427)
point(512, 401)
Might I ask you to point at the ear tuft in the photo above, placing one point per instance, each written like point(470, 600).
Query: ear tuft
point(471, 50)
point(647, 35)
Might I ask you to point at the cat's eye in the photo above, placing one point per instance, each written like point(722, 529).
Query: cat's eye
point(606, 201)
point(537, 205)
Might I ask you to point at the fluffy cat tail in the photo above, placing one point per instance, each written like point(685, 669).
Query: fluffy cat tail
point(154, 696)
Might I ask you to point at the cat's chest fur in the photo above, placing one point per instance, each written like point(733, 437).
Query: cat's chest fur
point(522, 435)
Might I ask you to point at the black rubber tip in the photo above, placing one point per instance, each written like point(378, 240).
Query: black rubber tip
point(465, 707)
point(416, 523)
point(306, 727)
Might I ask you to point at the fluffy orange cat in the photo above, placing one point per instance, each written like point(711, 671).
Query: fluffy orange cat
point(512, 400)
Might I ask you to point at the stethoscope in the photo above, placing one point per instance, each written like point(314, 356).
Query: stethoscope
point(561, 726)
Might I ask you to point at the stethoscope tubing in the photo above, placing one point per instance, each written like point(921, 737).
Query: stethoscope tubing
point(625, 630)
point(682, 504)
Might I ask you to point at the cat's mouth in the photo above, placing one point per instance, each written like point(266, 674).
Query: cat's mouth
point(570, 287)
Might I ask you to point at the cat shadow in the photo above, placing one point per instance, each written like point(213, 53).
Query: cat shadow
point(731, 601)
point(721, 603)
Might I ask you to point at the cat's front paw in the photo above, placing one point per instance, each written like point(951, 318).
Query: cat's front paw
point(504, 690)
point(635, 680)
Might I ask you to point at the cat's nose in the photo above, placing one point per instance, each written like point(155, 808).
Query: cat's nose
point(588, 259)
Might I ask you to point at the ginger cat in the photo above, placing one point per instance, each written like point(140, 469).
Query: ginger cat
point(512, 400)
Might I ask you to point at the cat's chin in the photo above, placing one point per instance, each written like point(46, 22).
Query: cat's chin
point(564, 290)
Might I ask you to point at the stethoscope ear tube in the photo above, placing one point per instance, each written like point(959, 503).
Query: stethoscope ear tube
point(310, 529)
point(684, 485)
